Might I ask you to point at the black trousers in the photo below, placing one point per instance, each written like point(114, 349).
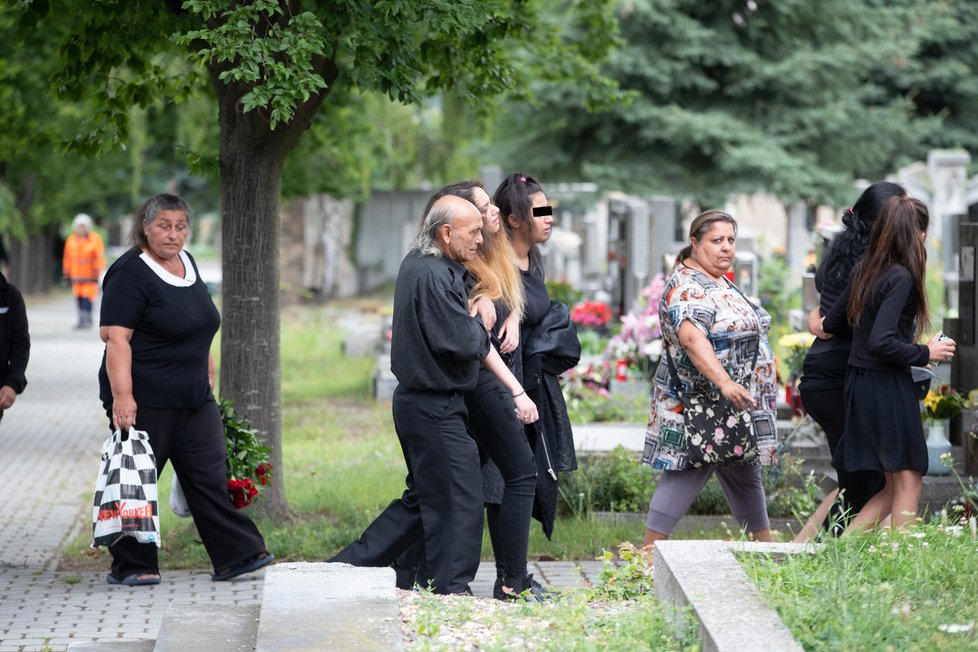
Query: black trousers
point(827, 408)
point(493, 423)
point(193, 439)
point(443, 488)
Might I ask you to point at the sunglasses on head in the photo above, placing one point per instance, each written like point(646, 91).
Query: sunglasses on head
point(540, 211)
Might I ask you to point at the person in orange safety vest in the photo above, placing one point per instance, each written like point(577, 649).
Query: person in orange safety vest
point(84, 260)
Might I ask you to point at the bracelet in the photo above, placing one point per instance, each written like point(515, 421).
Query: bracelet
point(520, 394)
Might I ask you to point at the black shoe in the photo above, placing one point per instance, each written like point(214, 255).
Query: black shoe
point(545, 591)
point(525, 588)
point(497, 590)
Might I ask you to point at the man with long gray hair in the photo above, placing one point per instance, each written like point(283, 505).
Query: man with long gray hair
point(436, 350)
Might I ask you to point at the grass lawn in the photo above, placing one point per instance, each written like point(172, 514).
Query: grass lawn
point(913, 590)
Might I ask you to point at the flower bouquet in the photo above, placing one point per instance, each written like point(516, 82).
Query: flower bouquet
point(248, 464)
point(944, 402)
point(795, 347)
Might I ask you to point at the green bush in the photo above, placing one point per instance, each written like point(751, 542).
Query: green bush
point(607, 482)
point(563, 292)
point(592, 342)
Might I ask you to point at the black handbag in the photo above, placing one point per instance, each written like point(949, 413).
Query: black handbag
point(716, 431)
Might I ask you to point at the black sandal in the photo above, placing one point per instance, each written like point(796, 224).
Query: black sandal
point(249, 565)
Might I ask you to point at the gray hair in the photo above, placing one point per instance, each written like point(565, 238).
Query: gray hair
point(147, 214)
point(426, 243)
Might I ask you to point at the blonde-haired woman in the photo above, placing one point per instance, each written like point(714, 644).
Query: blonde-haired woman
point(497, 295)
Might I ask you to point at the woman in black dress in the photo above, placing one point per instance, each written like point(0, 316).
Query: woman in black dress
point(886, 307)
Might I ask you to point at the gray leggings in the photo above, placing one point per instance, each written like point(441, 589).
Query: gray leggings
point(677, 490)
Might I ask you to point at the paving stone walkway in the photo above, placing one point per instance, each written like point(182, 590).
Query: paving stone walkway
point(49, 444)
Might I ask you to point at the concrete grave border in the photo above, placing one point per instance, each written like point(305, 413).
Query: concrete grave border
point(706, 577)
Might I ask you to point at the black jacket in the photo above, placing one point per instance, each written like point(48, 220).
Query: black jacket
point(15, 342)
point(550, 349)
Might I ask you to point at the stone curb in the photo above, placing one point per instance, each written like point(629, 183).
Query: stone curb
point(705, 577)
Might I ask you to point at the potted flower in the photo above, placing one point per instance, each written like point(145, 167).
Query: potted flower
point(248, 464)
point(940, 404)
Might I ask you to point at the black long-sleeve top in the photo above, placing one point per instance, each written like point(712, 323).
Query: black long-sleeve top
point(435, 344)
point(826, 362)
point(15, 341)
point(883, 340)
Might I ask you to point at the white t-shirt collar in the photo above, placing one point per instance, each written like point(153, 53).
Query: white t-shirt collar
point(190, 275)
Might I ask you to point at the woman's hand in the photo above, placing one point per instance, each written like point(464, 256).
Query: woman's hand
point(484, 308)
point(941, 348)
point(123, 412)
point(509, 334)
point(7, 397)
point(815, 320)
point(738, 395)
point(526, 409)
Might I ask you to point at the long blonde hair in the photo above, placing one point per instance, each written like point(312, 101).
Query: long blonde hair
point(497, 277)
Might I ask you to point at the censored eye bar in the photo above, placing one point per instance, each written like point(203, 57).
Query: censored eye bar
point(540, 211)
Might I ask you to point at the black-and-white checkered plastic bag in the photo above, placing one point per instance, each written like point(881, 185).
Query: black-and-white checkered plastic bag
point(125, 491)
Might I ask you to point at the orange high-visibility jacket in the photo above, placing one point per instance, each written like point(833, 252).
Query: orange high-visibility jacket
point(83, 261)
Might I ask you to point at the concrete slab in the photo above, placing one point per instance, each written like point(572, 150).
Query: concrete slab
point(600, 437)
point(705, 576)
point(324, 606)
point(211, 627)
point(114, 646)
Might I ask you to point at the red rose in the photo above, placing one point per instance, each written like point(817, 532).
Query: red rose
point(262, 472)
point(241, 492)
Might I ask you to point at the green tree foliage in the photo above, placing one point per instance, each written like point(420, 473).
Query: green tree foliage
point(941, 77)
point(272, 65)
point(735, 96)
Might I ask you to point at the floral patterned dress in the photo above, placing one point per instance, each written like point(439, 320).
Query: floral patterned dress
point(735, 328)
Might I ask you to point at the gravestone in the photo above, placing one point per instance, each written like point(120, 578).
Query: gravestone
point(964, 370)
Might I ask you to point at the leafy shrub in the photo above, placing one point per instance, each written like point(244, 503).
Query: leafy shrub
point(592, 342)
point(630, 579)
point(563, 292)
point(607, 482)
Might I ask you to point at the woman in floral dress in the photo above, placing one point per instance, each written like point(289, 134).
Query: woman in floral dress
point(715, 349)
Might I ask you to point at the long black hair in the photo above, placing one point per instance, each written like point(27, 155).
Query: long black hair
point(513, 199)
point(894, 240)
point(849, 246)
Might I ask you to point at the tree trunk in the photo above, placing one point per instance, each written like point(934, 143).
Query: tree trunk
point(252, 157)
point(250, 361)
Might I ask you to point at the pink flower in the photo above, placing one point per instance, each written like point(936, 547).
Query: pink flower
point(738, 450)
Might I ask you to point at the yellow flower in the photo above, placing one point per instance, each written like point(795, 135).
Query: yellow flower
point(796, 340)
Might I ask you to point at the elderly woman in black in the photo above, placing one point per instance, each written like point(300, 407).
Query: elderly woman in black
point(157, 375)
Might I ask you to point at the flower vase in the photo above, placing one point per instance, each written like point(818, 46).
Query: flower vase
point(937, 445)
